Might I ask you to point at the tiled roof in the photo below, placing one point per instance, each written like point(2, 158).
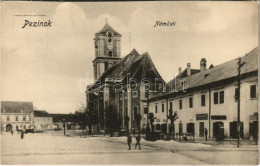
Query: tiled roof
point(136, 65)
point(41, 113)
point(16, 107)
point(218, 73)
point(106, 28)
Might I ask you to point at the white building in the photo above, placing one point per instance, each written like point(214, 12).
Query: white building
point(16, 115)
point(209, 99)
point(43, 120)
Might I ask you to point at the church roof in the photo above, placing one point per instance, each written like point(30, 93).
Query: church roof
point(220, 72)
point(106, 28)
point(41, 113)
point(16, 107)
point(135, 65)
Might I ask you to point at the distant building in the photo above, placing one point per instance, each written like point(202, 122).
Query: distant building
point(43, 119)
point(16, 115)
point(209, 99)
point(60, 119)
point(129, 101)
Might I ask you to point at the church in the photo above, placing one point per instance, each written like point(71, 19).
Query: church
point(121, 84)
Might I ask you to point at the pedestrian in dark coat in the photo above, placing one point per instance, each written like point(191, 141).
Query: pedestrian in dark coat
point(138, 139)
point(12, 132)
point(134, 132)
point(206, 134)
point(22, 134)
point(129, 141)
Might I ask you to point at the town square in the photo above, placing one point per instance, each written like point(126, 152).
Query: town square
point(117, 84)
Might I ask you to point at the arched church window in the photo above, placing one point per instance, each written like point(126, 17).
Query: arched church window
point(135, 112)
point(126, 112)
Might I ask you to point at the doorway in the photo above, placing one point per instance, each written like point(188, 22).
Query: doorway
point(253, 130)
point(233, 129)
point(180, 128)
point(218, 129)
point(190, 128)
point(201, 132)
point(9, 128)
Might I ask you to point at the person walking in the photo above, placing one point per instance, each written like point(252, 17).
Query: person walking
point(138, 139)
point(12, 132)
point(206, 134)
point(22, 134)
point(134, 132)
point(129, 141)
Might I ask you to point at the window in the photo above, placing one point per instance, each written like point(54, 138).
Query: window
point(190, 102)
point(162, 107)
point(180, 104)
point(135, 94)
point(253, 91)
point(236, 94)
point(221, 97)
point(120, 96)
point(106, 65)
point(203, 103)
point(135, 112)
point(24, 118)
point(156, 109)
point(215, 97)
point(170, 105)
point(16, 118)
point(110, 53)
point(8, 118)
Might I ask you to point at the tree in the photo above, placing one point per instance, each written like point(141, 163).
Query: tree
point(151, 120)
point(91, 117)
point(80, 118)
point(172, 118)
point(112, 120)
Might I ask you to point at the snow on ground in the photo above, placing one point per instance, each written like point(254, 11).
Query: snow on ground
point(55, 148)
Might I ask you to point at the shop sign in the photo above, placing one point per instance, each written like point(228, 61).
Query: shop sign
point(201, 116)
point(254, 117)
point(219, 117)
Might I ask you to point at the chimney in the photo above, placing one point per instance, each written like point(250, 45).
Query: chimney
point(179, 70)
point(203, 64)
point(188, 69)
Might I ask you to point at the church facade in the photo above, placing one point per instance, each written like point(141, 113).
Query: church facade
point(119, 93)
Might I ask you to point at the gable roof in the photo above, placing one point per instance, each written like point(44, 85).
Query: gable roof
point(41, 113)
point(220, 72)
point(135, 65)
point(16, 107)
point(106, 28)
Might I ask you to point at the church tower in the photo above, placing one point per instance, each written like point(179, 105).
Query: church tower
point(107, 49)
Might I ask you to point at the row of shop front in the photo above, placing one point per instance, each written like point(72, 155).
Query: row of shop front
point(217, 125)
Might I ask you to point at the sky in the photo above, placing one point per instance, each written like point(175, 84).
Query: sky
point(51, 66)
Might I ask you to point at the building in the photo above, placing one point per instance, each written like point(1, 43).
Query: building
point(42, 119)
point(16, 115)
point(118, 87)
point(207, 98)
point(60, 119)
